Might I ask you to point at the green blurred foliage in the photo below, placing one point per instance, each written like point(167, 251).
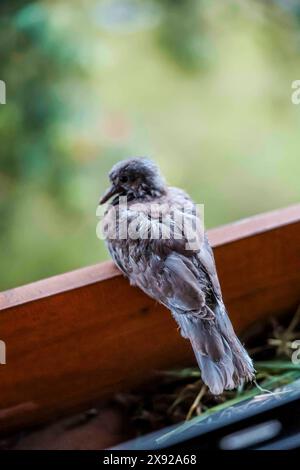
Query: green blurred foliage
point(203, 87)
point(182, 33)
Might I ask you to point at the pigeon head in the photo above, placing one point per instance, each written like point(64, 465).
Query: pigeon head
point(136, 178)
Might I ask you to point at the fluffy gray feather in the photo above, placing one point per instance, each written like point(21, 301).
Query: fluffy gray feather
point(184, 280)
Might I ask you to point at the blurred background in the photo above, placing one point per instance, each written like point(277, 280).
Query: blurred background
point(201, 86)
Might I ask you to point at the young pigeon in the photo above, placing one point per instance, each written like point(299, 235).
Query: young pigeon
point(180, 275)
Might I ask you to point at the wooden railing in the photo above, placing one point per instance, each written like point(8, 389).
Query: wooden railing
point(81, 336)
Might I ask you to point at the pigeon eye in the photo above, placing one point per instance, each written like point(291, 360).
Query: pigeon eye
point(124, 179)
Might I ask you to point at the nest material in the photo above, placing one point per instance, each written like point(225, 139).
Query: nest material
point(178, 395)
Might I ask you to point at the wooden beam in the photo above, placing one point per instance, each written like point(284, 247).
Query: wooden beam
point(81, 336)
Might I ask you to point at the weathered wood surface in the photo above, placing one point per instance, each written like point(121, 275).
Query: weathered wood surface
point(81, 336)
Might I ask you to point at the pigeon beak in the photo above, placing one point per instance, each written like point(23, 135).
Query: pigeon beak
point(108, 194)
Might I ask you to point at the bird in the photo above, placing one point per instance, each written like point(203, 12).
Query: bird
point(180, 275)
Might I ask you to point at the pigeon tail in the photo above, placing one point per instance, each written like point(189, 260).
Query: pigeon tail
point(223, 361)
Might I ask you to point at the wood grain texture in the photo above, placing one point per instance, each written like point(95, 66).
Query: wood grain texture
point(81, 336)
